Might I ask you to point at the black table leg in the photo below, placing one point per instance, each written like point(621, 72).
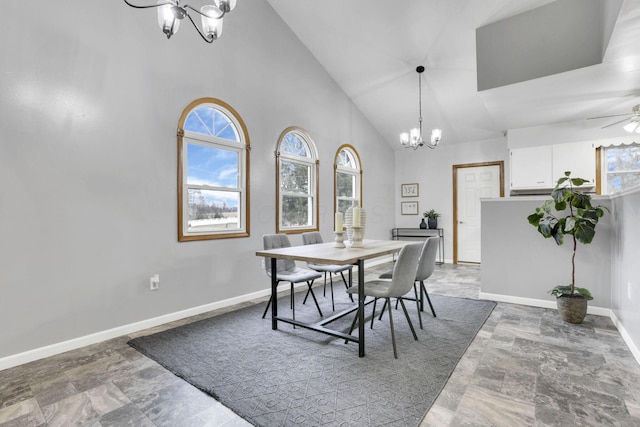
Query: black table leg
point(361, 307)
point(274, 294)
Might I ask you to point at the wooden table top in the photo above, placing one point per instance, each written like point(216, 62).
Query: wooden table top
point(326, 253)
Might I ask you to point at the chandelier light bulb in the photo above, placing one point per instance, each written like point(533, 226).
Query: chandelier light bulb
point(170, 13)
point(414, 138)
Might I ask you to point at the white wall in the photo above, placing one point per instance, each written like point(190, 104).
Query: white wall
point(518, 262)
point(91, 96)
point(433, 171)
point(625, 268)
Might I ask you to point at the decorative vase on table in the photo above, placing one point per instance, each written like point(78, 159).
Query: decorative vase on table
point(433, 223)
point(423, 224)
point(348, 221)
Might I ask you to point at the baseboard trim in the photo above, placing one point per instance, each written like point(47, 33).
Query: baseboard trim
point(75, 343)
point(626, 337)
point(598, 311)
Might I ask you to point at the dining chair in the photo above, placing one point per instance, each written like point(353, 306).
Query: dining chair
point(287, 270)
point(403, 278)
point(313, 238)
point(426, 266)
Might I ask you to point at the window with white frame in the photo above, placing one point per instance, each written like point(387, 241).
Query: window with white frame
point(348, 182)
point(213, 172)
point(621, 167)
point(297, 182)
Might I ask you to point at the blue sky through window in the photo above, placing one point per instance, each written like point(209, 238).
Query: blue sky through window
point(209, 121)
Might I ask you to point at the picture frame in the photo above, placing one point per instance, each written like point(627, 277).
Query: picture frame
point(409, 190)
point(409, 208)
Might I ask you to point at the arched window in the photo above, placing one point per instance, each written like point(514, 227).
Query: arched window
point(297, 182)
point(348, 179)
point(213, 172)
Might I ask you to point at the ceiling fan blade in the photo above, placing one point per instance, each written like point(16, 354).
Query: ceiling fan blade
point(613, 115)
point(615, 123)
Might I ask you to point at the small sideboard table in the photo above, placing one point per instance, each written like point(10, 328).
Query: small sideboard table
point(421, 233)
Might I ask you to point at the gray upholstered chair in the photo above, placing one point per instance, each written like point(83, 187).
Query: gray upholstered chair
point(287, 270)
point(426, 266)
point(403, 279)
point(313, 238)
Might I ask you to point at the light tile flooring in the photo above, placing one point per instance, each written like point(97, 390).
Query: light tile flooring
point(525, 368)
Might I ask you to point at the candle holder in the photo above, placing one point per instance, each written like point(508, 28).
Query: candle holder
point(356, 237)
point(339, 242)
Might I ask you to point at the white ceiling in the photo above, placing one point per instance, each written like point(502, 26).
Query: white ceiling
point(372, 47)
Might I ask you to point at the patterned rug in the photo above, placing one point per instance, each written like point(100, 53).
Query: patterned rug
point(298, 377)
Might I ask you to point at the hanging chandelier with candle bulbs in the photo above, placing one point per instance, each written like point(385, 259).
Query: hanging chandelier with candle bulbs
point(413, 138)
point(170, 13)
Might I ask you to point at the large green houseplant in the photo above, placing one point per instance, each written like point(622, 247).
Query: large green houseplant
point(569, 212)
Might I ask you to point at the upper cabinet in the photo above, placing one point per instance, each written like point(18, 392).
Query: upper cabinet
point(531, 168)
point(577, 157)
point(537, 169)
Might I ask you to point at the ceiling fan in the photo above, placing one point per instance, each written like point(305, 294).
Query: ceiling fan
point(633, 117)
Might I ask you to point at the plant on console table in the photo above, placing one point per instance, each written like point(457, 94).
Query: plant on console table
point(569, 212)
point(432, 218)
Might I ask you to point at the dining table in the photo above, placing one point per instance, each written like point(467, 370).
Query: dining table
point(328, 253)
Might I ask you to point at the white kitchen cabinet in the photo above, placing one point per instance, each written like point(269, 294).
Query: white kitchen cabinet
point(539, 168)
point(579, 158)
point(531, 168)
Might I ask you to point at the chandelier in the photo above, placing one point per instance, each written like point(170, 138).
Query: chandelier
point(170, 13)
point(413, 138)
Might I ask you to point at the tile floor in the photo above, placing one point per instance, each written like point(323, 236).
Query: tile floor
point(525, 368)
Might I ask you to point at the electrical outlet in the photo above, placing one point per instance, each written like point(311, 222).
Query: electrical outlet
point(262, 263)
point(154, 282)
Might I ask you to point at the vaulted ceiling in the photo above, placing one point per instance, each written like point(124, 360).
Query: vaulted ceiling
point(372, 48)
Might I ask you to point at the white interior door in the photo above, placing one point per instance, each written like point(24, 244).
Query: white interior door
point(472, 184)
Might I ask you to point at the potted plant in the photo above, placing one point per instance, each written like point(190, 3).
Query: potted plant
point(432, 218)
point(569, 212)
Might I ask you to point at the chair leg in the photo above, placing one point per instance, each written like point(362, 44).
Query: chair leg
point(309, 284)
point(393, 334)
point(406, 314)
point(373, 315)
point(324, 290)
point(415, 291)
point(384, 306)
point(293, 305)
point(423, 288)
point(333, 306)
point(346, 285)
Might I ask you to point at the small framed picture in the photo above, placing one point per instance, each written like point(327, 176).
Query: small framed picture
point(409, 208)
point(409, 190)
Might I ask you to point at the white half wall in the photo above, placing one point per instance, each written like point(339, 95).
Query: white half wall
point(517, 261)
point(625, 265)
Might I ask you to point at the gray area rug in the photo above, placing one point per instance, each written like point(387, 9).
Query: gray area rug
point(298, 377)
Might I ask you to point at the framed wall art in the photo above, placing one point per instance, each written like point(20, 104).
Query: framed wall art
point(409, 190)
point(409, 208)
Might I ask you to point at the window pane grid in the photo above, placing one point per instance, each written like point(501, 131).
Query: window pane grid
point(212, 122)
point(297, 203)
point(212, 167)
point(347, 179)
point(622, 168)
point(213, 211)
point(293, 143)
